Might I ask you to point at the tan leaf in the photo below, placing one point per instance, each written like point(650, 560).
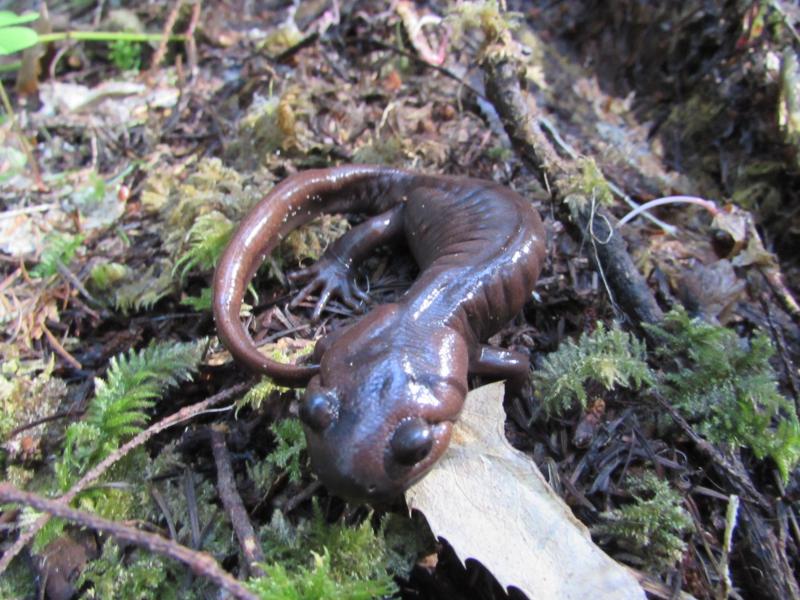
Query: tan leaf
point(491, 503)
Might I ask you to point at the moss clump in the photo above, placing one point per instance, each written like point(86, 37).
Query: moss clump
point(291, 445)
point(320, 560)
point(727, 386)
point(609, 357)
point(653, 526)
point(589, 182)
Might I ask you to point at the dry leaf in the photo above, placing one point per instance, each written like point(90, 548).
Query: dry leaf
point(491, 503)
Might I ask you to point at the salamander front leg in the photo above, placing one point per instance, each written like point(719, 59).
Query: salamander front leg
point(333, 275)
point(501, 364)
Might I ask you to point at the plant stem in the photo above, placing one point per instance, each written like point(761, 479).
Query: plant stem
point(107, 36)
point(8, 67)
point(26, 147)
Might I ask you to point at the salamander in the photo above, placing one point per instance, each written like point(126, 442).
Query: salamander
point(383, 393)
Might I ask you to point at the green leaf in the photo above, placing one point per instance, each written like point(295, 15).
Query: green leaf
point(14, 39)
point(8, 18)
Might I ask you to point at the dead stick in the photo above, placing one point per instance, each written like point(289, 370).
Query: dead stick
point(232, 501)
point(625, 284)
point(201, 563)
point(95, 473)
point(158, 56)
point(59, 349)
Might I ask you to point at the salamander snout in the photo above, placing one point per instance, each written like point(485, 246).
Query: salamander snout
point(412, 441)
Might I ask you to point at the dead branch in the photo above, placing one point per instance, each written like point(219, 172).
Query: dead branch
point(232, 501)
point(626, 285)
point(201, 563)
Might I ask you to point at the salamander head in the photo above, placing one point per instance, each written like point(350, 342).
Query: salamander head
point(379, 416)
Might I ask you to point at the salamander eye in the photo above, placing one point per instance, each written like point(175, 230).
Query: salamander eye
point(411, 442)
point(318, 410)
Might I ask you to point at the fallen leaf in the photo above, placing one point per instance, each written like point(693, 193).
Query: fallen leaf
point(491, 503)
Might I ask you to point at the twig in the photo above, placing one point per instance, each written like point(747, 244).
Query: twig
point(26, 147)
point(304, 495)
point(191, 43)
point(410, 55)
point(47, 419)
point(731, 518)
point(76, 283)
point(201, 563)
point(7, 214)
point(232, 501)
point(96, 472)
point(60, 350)
point(734, 475)
point(161, 51)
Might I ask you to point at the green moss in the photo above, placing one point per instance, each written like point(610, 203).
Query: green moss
point(28, 391)
point(17, 583)
point(727, 386)
point(105, 275)
point(321, 560)
point(588, 183)
point(695, 117)
point(389, 151)
point(486, 17)
point(207, 238)
point(653, 526)
point(611, 358)
point(133, 577)
point(315, 582)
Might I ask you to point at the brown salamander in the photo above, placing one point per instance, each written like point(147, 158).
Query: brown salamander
point(381, 401)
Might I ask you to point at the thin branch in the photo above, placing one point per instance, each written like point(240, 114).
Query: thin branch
point(161, 51)
point(201, 563)
point(232, 501)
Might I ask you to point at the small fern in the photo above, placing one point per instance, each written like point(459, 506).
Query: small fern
point(653, 526)
point(59, 249)
point(131, 385)
point(207, 238)
point(201, 303)
point(609, 357)
point(291, 443)
point(726, 384)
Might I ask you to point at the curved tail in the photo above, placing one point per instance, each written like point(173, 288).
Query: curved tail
point(295, 201)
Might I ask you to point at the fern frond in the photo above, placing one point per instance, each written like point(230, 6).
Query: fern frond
point(59, 248)
point(118, 410)
point(207, 239)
